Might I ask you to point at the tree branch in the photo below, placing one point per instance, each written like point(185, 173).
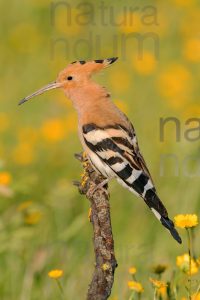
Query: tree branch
point(103, 276)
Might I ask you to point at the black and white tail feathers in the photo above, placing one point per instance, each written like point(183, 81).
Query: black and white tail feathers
point(154, 203)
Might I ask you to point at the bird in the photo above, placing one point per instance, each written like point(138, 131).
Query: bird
point(106, 134)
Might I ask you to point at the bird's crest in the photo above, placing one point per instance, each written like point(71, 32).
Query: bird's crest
point(90, 67)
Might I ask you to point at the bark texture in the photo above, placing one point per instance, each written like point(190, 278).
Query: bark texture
point(105, 262)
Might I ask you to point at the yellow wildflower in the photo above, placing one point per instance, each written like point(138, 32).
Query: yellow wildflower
point(24, 205)
point(53, 130)
point(105, 267)
point(196, 296)
point(32, 218)
point(175, 83)
point(159, 269)
point(186, 221)
point(162, 291)
point(132, 270)
point(182, 262)
point(5, 178)
point(158, 284)
point(136, 286)
point(55, 274)
point(146, 65)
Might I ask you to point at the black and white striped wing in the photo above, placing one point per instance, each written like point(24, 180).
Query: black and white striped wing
point(114, 152)
point(115, 146)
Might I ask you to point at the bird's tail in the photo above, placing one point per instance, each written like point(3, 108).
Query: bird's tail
point(155, 204)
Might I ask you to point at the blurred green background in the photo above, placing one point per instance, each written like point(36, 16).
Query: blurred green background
point(43, 219)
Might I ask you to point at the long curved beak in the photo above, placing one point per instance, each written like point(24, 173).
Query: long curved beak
point(50, 86)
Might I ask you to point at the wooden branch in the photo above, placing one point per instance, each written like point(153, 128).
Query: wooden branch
point(103, 276)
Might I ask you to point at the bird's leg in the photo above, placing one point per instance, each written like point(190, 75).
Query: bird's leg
point(100, 186)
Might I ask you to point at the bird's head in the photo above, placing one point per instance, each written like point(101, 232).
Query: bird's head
point(74, 76)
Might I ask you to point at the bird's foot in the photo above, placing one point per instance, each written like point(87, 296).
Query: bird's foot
point(101, 186)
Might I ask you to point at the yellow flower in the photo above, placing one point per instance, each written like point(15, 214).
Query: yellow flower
point(175, 84)
point(32, 218)
point(55, 274)
point(24, 205)
point(146, 65)
point(186, 221)
point(182, 262)
point(132, 270)
point(162, 291)
point(196, 296)
point(136, 286)
point(5, 178)
point(159, 269)
point(192, 50)
point(53, 130)
point(158, 284)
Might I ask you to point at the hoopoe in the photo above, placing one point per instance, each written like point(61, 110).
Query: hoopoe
point(107, 135)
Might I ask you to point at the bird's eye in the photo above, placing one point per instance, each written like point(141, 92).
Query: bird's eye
point(69, 78)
